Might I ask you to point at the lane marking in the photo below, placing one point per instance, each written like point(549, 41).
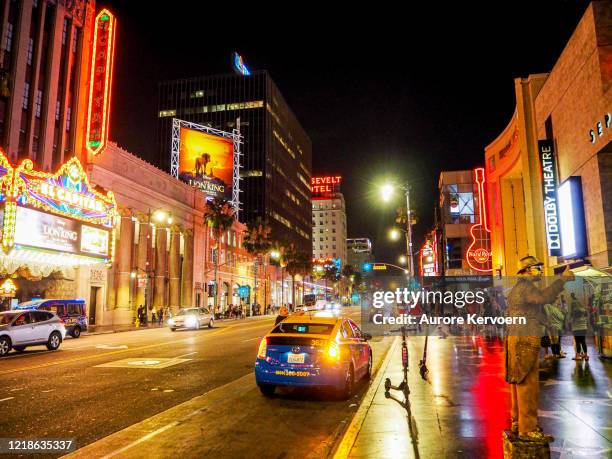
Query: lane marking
point(184, 355)
point(90, 447)
point(120, 351)
point(250, 339)
point(5, 399)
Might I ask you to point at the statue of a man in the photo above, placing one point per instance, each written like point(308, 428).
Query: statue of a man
point(523, 345)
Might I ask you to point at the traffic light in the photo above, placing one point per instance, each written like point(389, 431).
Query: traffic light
point(366, 267)
point(379, 267)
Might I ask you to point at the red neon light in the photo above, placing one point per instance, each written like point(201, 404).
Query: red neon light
point(100, 82)
point(326, 184)
point(479, 250)
point(434, 255)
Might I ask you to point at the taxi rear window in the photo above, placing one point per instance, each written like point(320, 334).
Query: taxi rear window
point(312, 329)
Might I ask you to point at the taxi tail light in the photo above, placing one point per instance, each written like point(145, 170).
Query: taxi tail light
point(263, 348)
point(333, 351)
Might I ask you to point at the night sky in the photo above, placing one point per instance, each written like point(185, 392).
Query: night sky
point(383, 94)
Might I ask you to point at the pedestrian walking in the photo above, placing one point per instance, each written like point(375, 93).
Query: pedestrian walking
point(160, 316)
point(153, 318)
point(282, 315)
point(556, 318)
point(140, 314)
point(578, 316)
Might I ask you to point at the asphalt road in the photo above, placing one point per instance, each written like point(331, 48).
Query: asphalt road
point(68, 393)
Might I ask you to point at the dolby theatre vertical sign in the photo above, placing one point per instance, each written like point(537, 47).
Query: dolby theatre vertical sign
point(549, 193)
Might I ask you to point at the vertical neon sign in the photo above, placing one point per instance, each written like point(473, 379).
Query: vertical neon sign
point(100, 82)
point(478, 255)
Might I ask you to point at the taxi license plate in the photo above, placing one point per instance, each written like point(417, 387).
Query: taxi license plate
point(295, 358)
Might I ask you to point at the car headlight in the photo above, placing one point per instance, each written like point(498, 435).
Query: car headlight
point(190, 321)
point(170, 322)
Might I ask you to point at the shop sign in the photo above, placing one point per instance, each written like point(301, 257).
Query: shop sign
point(478, 254)
point(549, 192)
point(429, 262)
point(100, 82)
point(599, 128)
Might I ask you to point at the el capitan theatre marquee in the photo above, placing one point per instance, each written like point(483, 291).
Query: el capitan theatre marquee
point(56, 219)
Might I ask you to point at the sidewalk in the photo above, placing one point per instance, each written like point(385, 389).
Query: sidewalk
point(463, 408)
point(103, 329)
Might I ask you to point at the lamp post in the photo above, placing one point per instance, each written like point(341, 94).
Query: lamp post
point(387, 193)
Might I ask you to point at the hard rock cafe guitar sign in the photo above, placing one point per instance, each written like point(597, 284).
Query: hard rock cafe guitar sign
point(478, 254)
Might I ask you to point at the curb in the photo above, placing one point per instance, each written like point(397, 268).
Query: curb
point(345, 445)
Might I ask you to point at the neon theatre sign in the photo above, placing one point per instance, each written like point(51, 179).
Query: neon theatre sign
point(478, 255)
point(60, 211)
point(549, 192)
point(100, 82)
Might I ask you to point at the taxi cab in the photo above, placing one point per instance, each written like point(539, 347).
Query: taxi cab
point(313, 350)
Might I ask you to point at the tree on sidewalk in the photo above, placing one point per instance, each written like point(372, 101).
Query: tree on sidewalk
point(257, 241)
point(298, 263)
point(219, 217)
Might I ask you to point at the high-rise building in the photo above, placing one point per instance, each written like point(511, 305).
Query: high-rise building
point(328, 219)
point(277, 152)
point(44, 65)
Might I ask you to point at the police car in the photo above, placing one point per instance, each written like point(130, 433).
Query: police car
point(313, 350)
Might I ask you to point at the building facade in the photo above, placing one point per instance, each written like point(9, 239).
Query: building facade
point(44, 67)
point(277, 152)
point(108, 227)
point(550, 170)
point(464, 244)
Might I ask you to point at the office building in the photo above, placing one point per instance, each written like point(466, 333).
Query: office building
point(277, 152)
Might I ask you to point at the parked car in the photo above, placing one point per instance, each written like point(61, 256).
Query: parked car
point(193, 318)
point(71, 312)
point(22, 328)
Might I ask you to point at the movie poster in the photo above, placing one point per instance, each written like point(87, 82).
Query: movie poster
point(206, 162)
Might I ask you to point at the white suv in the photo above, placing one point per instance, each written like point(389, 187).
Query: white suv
point(19, 329)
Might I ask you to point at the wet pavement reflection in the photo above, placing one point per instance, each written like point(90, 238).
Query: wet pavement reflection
point(464, 406)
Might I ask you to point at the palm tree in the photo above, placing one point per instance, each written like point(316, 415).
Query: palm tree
point(257, 242)
point(353, 277)
point(219, 217)
point(298, 263)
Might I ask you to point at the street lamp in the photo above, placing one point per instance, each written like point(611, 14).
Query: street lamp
point(402, 260)
point(386, 193)
point(394, 234)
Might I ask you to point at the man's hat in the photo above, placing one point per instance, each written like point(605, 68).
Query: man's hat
point(528, 262)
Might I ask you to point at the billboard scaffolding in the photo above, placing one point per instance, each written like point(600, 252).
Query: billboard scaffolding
point(208, 159)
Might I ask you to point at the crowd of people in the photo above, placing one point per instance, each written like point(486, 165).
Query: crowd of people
point(232, 311)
